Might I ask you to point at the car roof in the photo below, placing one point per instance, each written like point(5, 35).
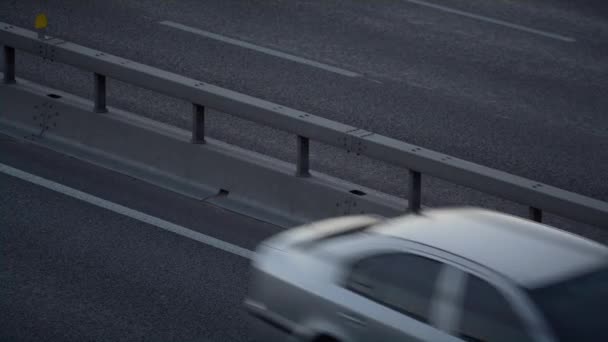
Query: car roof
point(529, 253)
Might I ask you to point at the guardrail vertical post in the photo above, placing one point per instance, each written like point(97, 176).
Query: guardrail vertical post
point(303, 163)
point(100, 94)
point(198, 124)
point(415, 191)
point(535, 214)
point(9, 65)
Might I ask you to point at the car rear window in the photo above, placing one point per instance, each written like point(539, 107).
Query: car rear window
point(576, 308)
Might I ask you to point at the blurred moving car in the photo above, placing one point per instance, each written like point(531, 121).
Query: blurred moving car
point(444, 275)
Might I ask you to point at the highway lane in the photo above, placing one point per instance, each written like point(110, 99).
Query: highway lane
point(72, 271)
point(502, 97)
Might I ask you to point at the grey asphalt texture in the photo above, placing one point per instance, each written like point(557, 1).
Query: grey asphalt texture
point(515, 101)
point(508, 99)
point(71, 271)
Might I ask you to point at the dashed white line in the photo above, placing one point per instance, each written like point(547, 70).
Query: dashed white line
point(119, 209)
point(493, 20)
point(261, 49)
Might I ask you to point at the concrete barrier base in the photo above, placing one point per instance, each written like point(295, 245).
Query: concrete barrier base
point(224, 175)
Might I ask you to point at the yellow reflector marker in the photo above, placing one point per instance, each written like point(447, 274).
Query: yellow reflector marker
point(41, 21)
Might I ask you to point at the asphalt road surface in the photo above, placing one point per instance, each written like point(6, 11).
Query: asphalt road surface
point(518, 86)
point(71, 270)
point(87, 254)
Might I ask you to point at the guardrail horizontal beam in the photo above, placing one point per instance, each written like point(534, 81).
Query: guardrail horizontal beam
point(174, 85)
point(491, 181)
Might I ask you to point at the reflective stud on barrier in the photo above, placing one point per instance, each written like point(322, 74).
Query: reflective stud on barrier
point(198, 124)
point(100, 94)
point(9, 65)
point(40, 23)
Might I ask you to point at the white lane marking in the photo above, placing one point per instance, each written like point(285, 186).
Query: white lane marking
point(261, 49)
point(493, 21)
point(119, 209)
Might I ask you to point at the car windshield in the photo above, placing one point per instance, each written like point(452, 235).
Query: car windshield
point(575, 308)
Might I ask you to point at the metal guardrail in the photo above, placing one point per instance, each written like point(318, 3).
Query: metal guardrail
point(538, 197)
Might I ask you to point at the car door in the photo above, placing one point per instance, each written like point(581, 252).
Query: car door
point(389, 296)
point(487, 315)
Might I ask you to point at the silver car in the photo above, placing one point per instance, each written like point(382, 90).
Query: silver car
point(445, 275)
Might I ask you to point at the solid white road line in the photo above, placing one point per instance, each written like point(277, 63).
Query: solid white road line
point(119, 209)
point(493, 21)
point(261, 49)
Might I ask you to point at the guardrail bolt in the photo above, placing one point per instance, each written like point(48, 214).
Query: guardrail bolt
point(100, 94)
point(303, 161)
point(415, 191)
point(535, 214)
point(198, 124)
point(9, 65)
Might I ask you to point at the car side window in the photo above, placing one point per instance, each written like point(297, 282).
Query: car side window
point(488, 316)
point(400, 281)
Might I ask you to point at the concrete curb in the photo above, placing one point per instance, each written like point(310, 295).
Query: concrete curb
point(227, 176)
